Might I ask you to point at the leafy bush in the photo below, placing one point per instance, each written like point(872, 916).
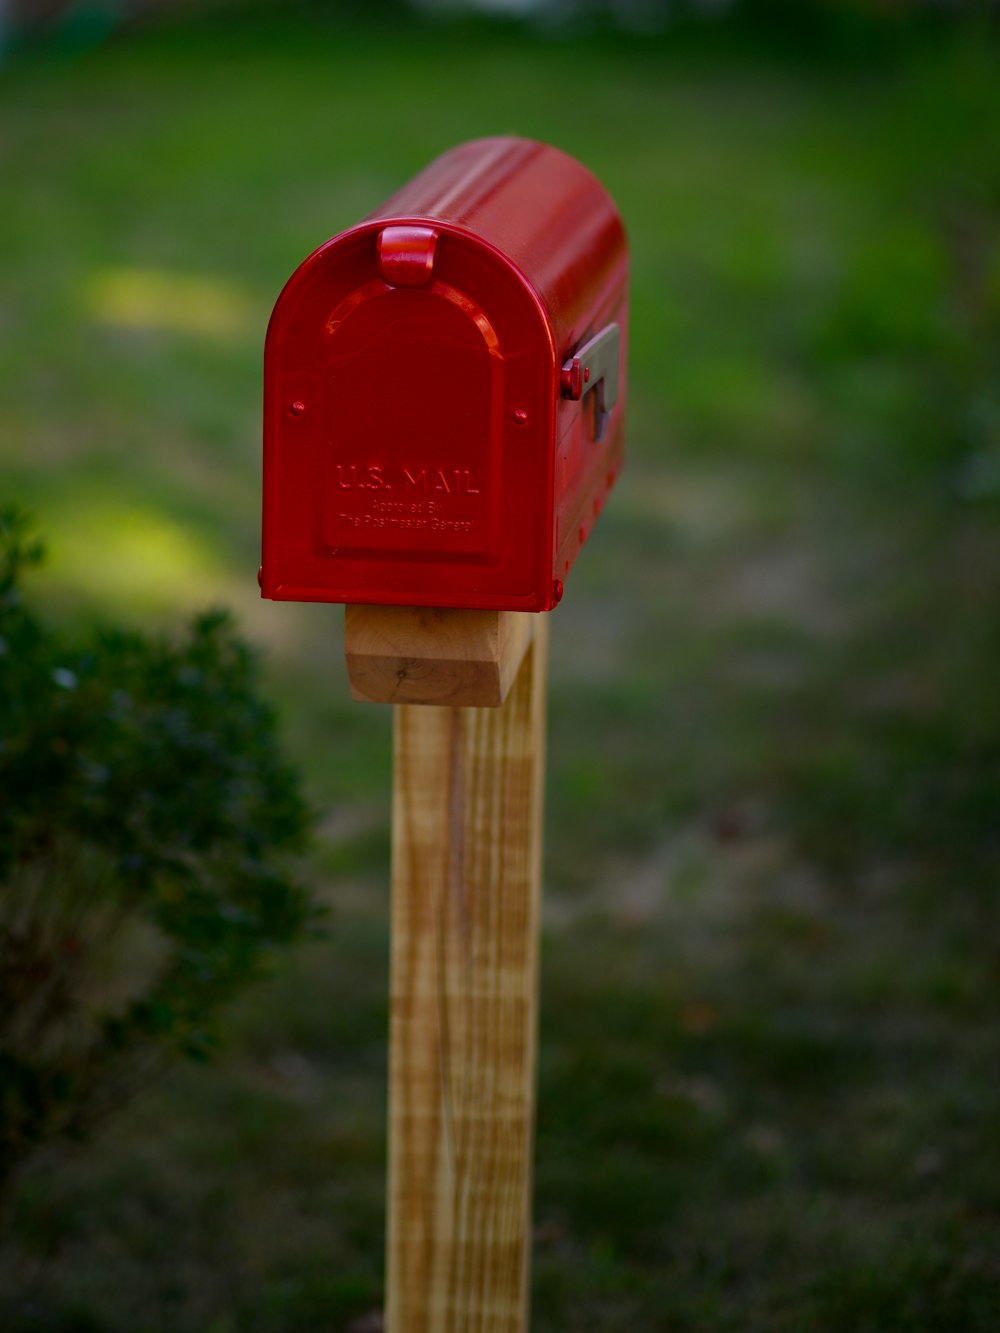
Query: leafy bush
point(143, 815)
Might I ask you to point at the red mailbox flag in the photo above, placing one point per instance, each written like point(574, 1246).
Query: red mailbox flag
point(444, 389)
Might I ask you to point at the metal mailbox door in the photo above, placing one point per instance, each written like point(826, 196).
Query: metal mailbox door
point(411, 408)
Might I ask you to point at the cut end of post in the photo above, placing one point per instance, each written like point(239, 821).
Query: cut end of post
point(447, 657)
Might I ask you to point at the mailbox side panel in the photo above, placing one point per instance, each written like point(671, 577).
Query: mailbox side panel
point(409, 431)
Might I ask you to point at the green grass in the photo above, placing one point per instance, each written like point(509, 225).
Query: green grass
point(769, 1088)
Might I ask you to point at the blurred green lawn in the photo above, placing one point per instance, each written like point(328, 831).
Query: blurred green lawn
point(770, 1058)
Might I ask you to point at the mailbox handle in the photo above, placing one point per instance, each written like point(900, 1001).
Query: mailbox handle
point(594, 368)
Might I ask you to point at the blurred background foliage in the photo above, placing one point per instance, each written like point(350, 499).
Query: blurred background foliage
point(770, 1075)
point(145, 810)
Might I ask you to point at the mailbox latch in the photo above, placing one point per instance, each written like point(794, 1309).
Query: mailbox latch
point(594, 368)
point(406, 255)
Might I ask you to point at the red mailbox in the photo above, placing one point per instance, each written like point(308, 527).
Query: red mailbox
point(444, 389)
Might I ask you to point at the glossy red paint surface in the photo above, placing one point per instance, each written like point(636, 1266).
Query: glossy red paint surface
point(418, 447)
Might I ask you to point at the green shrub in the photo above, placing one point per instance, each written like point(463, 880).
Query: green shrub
point(144, 815)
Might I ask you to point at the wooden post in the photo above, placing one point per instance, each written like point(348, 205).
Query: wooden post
point(466, 875)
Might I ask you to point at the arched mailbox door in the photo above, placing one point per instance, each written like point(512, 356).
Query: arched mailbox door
point(441, 424)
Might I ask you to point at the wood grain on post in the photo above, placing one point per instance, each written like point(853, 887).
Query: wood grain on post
point(467, 803)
